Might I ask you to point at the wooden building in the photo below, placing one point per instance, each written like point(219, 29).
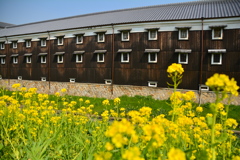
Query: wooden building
point(128, 47)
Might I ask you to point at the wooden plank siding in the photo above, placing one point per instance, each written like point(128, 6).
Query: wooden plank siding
point(138, 71)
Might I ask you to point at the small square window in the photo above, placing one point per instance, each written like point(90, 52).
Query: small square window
point(43, 42)
point(72, 80)
point(15, 60)
point(183, 58)
point(217, 33)
point(43, 59)
point(78, 58)
point(28, 59)
point(152, 57)
point(19, 77)
point(101, 37)
point(60, 40)
point(79, 39)
point(60, 59)
point(183, 34)
point(28, 43)
point(108, 81)
point(203, 87)
point(2, 45)
point(152, 35)
point(100, 57)
point(125, 57)
point(43, 78)
point(216, 59)
point(125, 36)
point(152, 84)
point(14, 44)
point(3, 60)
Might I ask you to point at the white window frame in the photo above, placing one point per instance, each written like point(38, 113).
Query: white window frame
point(150, 33)
point(180, 33)
point(149, 58)
point(72, 80)
point(79, 56)
point(212, 59)
point(28, 43)
point(3, 60)
point(43, 42)
point(43, 59)
point(98, 57)
point(58, 39)
point(122, 57)
point(108, 81)
point(59, 60)
point(28, 59)
point(122, 35)
point(2, 45)
point(79, 37)
point(15, 60)
point(14, 44)
point(43, 78)
point(98, 37)
point(179, 58)
point(221, 32)
point(152, 84)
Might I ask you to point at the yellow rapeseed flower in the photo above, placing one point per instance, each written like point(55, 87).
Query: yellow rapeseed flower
point(175, 68)
point(63, 90)
point(176, 154)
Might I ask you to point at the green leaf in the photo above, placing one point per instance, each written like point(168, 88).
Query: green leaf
point(201, 155)
point(1, 146)
point(210, 121)
point(223, 137)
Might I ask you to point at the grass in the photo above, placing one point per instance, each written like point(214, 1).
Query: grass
point(137, 102)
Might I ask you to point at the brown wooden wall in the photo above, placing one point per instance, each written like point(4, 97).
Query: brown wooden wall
point(138, 71)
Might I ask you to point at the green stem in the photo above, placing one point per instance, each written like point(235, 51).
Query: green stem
point(213, 137)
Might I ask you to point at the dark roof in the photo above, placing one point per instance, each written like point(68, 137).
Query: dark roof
point(167, 12)
point(3, 25)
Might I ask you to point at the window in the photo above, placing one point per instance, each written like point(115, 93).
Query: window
point(108, 81)
point(28, 59)
point(43, 59)
point(152, 57)
point(43, 42)
point(216, 56)
point(2, 45)
point(183, 58)
point(217, 33)
point(2, 60)
point(60, 40)
point(152, 34)
point(100, 57)
point(43, 78)
point(216, 59)
point(15, 60)
point(125, 36)
point(152, 84)
point(78, 58)
point(101, 37)
point(28, 43)
point(183, 34)
point(60, 59)
point(124, 57)
point(72, 80)
point(14, 44)
point(79, 39)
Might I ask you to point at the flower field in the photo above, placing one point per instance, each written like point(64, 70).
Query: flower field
point(34, 127)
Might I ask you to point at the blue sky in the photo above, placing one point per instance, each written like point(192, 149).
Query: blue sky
point(27, 11)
